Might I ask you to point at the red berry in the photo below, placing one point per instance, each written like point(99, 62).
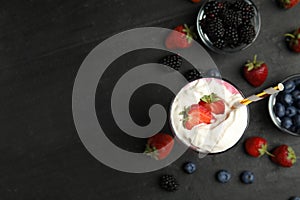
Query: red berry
point(256, 146)
point(255, 72)
point(284, 156)
point(180, 38)
point(159, 146)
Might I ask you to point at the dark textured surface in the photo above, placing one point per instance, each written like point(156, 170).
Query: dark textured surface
point(43, 44)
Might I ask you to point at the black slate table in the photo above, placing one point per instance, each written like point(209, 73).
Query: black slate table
point(43, 44)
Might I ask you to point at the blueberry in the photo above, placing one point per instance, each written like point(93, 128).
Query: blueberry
point(223, 176)
point(290, 111)
point(286, 122)
point(189, 167)
point(297, 104)
point(213, 73)
point(247, 177)
point(297, 83)
point(287, 99)
point(293, 129)
point(296, 94)
point(296, 120)
point(279, 109)
point(289, 86)
point(294, 198)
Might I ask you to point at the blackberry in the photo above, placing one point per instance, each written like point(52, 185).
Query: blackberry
point(232, 18)
point(169, 183)
point(212, 8)
point(192, 75)
point(215, 29)
point(246, 9)
point(219, 43)
point(247, 34)
point(231, 36)
point(240, 4)
point(174, 61)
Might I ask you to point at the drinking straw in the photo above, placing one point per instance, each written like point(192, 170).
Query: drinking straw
point(267, 92)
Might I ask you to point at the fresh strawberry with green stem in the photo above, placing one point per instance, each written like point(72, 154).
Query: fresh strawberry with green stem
point(159, 146)
point(213, 103)
point(294, 40)
point(255, 72)
point(195, 115)
point(180, 38)
point(256, 146)
point(284, 156)
point(288, 3)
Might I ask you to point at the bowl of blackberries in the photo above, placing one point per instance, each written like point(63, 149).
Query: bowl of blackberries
point(284, 107)
point(228, 26)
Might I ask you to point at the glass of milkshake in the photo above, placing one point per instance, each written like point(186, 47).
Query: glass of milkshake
point(204, 117)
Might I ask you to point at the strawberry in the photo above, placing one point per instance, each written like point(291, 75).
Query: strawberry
point(196, 1)
point(159, 146)
point(255, 72)
point(284, 156)
point(288, 3)
point(194, 115)
point(256, 146)
point(213, 103)
point(180, 38)
point(294, 40)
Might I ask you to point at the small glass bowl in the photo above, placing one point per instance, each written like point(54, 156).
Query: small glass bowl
point(272, 100)
point(256, 22)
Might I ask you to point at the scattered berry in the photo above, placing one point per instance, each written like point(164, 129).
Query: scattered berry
point(213, 73)
point(159, 146)
point(255, 72)
point(294, 40)
point(223, 176)
point(169, 183)
point(288, 3)
point(189, 167)
point(284, 156)
point(173, 61)
point(192, 75)
point(180, 38)
point(256, 146)
point(247, 177)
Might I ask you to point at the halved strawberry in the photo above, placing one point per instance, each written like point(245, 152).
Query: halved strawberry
point(194, 115)
point(213, 103)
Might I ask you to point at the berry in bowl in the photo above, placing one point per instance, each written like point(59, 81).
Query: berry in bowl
point(284, 107)
point(228, 26)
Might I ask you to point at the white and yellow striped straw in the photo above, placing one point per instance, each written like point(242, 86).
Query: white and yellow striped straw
point(267, 92)
point(256, 97)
